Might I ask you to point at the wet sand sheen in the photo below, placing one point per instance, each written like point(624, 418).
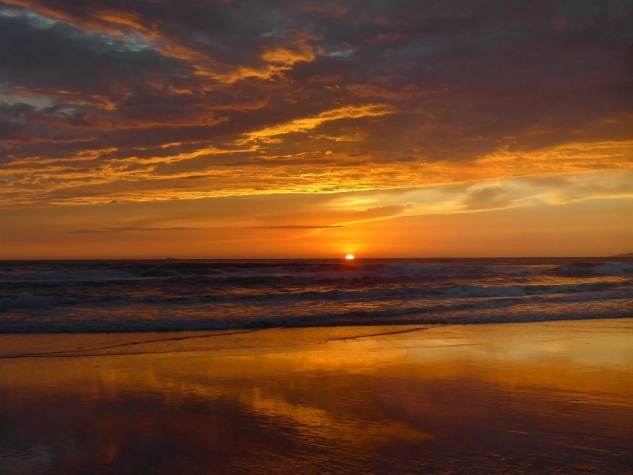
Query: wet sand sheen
point(516, 398)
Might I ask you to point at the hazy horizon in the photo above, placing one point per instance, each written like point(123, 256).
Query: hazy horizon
point(176, 259)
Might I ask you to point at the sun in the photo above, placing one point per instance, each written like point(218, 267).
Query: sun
point(349, 257)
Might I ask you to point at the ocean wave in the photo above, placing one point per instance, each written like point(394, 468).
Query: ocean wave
point(387, 293)
point(205, 295)
point(26, 300)
point(593, 269)
point(65, 276)
point(456, 313)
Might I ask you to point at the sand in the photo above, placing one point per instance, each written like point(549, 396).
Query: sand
point(532, 398)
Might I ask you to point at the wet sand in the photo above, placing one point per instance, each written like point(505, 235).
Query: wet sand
point(531, 398)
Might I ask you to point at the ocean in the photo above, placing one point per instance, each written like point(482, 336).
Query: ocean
point(173, 295)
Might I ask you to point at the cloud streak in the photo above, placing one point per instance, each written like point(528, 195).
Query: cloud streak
point(452, 106)
point(104, 94)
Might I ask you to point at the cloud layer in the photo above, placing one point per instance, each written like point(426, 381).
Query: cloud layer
point(150, 122)
point(155, 100)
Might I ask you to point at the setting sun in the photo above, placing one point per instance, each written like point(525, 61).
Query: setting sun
point(201, 168)
point(355, 126)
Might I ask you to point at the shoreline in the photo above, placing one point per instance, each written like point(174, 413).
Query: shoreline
point(73, 344)
point(505, 398)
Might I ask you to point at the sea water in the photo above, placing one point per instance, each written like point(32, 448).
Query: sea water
point(172, 295)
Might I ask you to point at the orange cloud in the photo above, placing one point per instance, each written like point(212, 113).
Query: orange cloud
point(310, 123)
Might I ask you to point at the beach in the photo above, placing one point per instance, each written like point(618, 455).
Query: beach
point(543, 397)
point(316, 237)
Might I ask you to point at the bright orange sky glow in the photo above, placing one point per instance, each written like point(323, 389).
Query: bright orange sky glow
point(243, 129)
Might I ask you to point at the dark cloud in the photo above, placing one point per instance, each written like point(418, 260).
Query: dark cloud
point(55, 56)
point(149, 88)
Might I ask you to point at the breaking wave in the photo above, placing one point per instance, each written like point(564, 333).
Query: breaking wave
point(126, 296)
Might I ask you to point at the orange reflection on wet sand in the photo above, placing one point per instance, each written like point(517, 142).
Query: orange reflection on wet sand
point(521, 398)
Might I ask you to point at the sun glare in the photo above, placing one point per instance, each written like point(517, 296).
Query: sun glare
point(349, 257)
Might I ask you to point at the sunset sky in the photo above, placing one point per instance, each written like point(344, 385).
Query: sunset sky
point(304, 128)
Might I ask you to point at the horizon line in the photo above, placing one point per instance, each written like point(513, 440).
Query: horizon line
point(342, 258)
